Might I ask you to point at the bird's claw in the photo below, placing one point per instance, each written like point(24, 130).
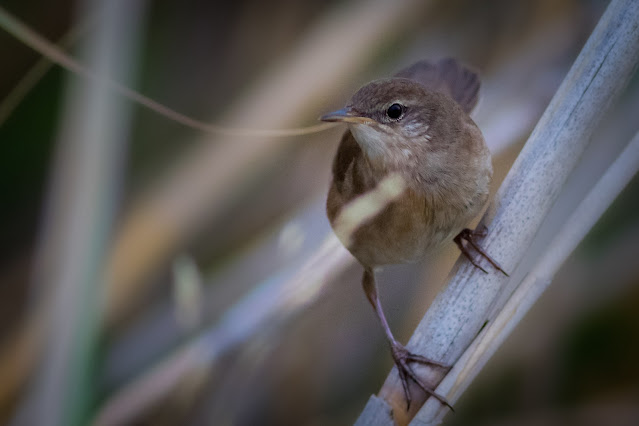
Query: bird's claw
point(402, 358)
point(470, 236)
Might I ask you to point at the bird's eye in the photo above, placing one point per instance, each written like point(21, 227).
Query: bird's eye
point(394, 111)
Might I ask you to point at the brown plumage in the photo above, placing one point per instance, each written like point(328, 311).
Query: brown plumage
point(414, 127)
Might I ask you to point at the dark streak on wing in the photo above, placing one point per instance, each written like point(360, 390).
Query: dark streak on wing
point(447, 76)
point(350, 178)
point(347, 153)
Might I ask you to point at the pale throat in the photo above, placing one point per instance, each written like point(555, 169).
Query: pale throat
point(385, 149)
point(373, 141)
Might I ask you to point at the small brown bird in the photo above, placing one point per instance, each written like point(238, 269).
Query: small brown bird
point(414, 170)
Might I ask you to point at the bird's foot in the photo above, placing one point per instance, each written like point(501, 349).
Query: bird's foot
point(470, 236)
point(402, 359)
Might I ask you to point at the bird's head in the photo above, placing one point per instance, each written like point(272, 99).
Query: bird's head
point(389, 117)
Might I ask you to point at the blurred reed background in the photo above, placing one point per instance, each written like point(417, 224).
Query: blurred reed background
point(223, 300)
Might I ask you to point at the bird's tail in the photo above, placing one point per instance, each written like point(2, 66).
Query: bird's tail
point(447, 76)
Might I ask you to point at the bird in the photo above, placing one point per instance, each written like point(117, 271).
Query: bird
point(413, 169)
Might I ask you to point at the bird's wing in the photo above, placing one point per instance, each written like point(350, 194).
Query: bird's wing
point(342, 189)
point(347, 155)
point(447, 76)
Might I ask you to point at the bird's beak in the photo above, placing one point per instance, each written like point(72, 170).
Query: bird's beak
point(345, 115)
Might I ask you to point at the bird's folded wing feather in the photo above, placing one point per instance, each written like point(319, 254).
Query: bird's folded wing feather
point(447, 76)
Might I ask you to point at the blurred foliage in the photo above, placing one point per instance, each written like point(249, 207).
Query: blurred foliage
point(621, 215)
point(599, 353)
point(199, 58)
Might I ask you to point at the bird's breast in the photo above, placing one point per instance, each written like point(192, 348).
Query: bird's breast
point(404, 231)
point(444, 191)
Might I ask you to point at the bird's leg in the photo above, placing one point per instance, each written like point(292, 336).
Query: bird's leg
point(465, 252)
point(401, 355)
point(470, 236)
